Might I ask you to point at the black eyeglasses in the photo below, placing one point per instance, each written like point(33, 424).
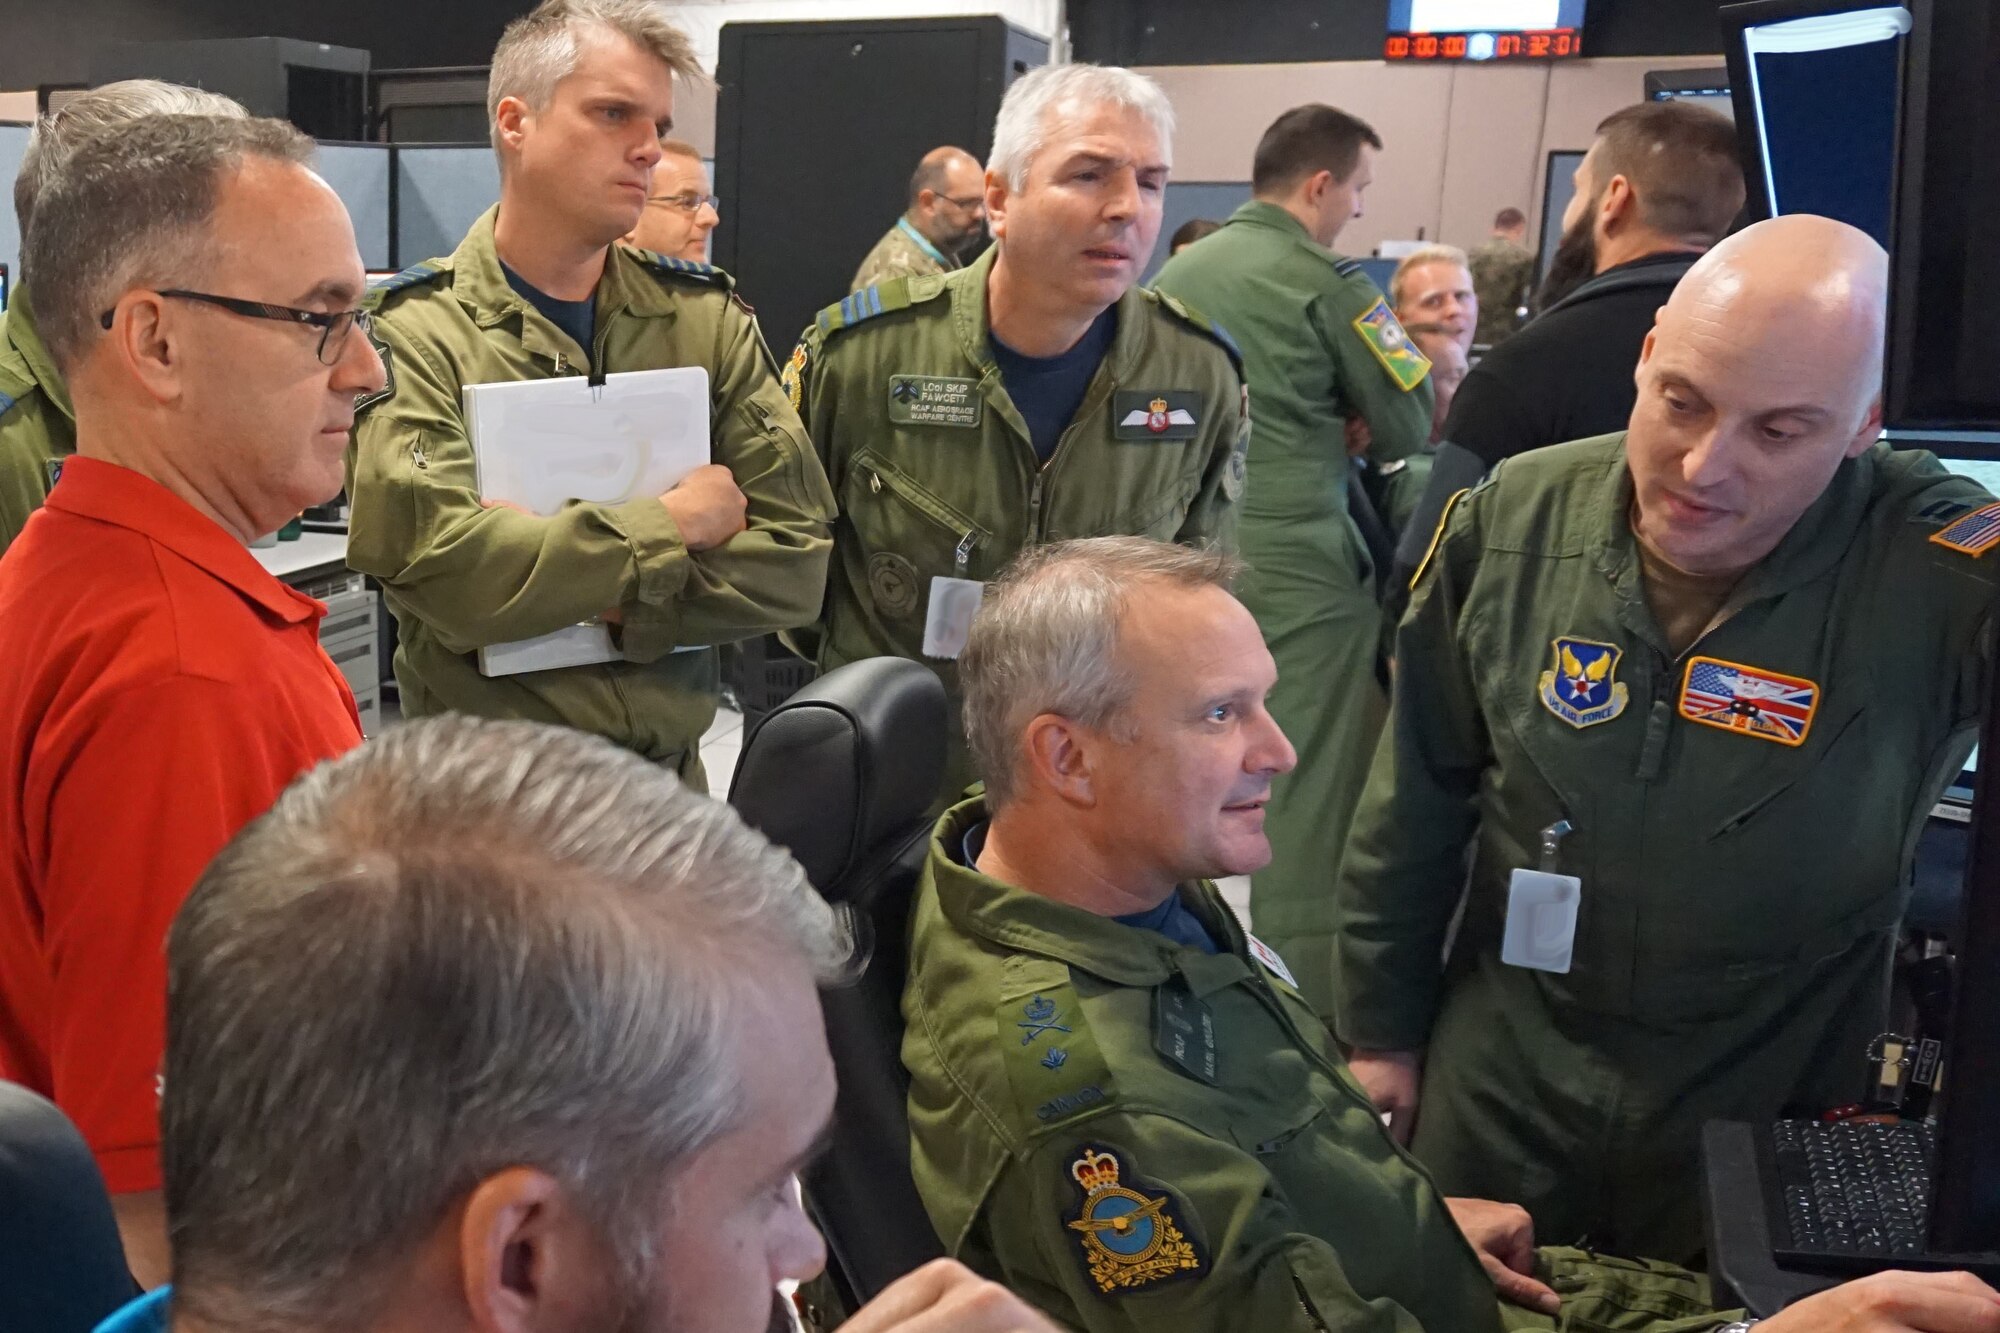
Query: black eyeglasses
point(334, 327)
point(977, 201)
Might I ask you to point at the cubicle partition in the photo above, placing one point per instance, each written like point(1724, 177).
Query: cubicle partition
point(363, 175)
point(440, 191)
point(13, 143)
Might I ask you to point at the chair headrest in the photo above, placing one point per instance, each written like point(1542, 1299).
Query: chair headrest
point(854, 758)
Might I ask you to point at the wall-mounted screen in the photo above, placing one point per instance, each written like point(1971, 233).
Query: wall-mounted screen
point(1484, 30)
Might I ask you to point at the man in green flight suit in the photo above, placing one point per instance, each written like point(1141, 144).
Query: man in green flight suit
point(581, 91)
point(37, 423)
point(1120, 1106)
point(1037, 395)
point(1726, 660)
point(1321, 346)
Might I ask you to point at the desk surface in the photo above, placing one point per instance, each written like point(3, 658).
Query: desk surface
point(313, 551)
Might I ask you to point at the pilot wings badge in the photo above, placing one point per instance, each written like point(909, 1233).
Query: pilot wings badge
point(1157, 417)
point(1583, 689)
point(1127, 1238)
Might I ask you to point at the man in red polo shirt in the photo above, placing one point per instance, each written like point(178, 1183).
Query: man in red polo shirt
point(196, 285)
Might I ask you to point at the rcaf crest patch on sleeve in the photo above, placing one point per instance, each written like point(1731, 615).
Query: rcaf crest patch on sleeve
point(1130, 1235)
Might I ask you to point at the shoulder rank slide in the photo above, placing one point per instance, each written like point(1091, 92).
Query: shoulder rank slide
point(1128, 1233)
point(1196, 320)
point(1349, 268)
point(1384, 335)
point(687, 268)
point(864, 305)
point(1749, 700)
point(416, 275)
point(1974, 534)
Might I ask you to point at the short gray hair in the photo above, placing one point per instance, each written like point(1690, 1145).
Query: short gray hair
point(104, 108)
point(467, 945)
point(1022, 128)
point(1046, 641)
point(1417, 258)
point(130, 208)
point(542, 47)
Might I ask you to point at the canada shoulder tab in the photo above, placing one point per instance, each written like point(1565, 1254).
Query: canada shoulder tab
point(686, 268)
point(416, 275)
point(1194, 319)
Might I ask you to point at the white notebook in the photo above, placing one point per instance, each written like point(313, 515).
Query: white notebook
point(540, 444)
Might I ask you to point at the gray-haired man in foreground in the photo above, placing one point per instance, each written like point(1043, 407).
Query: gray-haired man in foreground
point(494, 1026)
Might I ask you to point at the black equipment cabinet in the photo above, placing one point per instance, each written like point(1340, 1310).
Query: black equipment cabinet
point(818, 127)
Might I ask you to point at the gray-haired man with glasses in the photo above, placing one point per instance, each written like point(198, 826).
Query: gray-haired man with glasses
point(680, 210)
point(947, 213)
point(196, 287)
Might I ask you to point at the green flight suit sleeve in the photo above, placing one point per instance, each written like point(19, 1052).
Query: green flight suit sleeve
point(1404, 867)
point(814, 395)
point(1211, 519)
point(772, 575)
point(1399, 419)
point(1253, 1266)
point(26, 432)
point(480, 576)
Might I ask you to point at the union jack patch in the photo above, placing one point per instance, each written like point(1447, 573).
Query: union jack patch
point(1975, 534)
point(1749, 700)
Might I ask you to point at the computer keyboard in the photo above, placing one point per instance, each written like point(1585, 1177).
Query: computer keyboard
point(1852, 1193)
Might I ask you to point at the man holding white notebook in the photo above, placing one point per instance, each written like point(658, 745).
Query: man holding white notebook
point(581, 92)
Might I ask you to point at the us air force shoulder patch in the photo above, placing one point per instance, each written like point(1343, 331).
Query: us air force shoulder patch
point(1399, 356)
point(1128, 1233)
point(1583, 689)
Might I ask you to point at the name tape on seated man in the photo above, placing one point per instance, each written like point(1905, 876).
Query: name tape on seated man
point(1036, 395)
point(533, 1044)
point(197, 288)
point(580, 94)
point(1120, 1105)
point(1727, 659)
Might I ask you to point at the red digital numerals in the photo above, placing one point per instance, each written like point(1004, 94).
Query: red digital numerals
point(1552, 44)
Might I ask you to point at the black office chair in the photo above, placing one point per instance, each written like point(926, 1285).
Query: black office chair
point(62, 1266)
point(842, 775)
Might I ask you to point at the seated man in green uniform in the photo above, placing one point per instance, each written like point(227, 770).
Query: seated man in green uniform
point(1120, 1106)
point(581, 92)
point(1726, 660)
point(37, 422)
point(1038, 394)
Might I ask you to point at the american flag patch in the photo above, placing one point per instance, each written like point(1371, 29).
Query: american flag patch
point(1755, 702)
point(1975, 534)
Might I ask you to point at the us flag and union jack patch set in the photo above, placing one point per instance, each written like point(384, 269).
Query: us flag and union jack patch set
point(1749, 700)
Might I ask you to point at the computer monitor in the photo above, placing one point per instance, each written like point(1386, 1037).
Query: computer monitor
point(1704, 87)
point(1965, 1208)
point(1558, 188)
point(1944, 289)
point(1817, 86)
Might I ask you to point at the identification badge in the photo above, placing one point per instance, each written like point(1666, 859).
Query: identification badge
point(935, 400)
point(1184, 1030)
point(1268, 956)
point(948, 622)
point(1541, 920)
